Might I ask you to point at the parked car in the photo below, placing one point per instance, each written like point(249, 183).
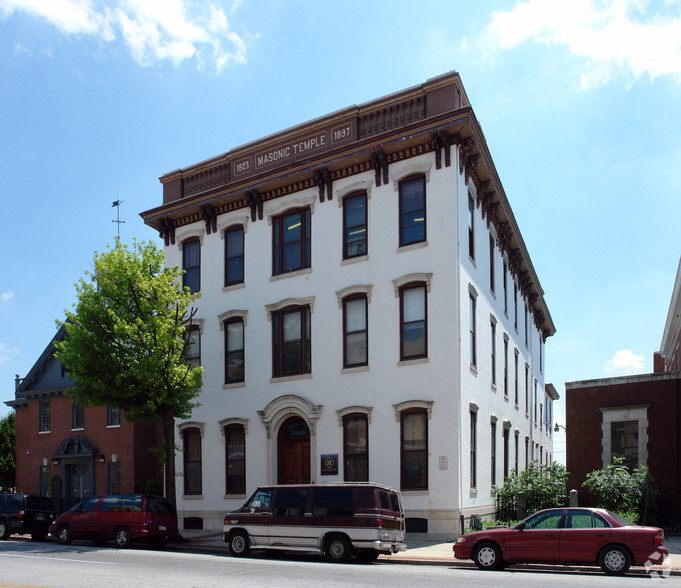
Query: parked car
point(339, 520)
point(566, 536)
point(25, 514)
point(121, 517)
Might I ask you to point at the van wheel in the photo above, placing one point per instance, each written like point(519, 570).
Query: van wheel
point(338, 549)
point(487, 556)
point(239, 545)
point(367, 555)
point(4, 529)
point(122, 537)
point(64, 535)
point(615, 560)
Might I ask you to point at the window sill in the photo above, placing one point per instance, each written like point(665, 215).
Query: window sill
point(192, 497)
point(290, 378)
point(474, 369)
point(231, 287)
point(473, 491)
point(354, 370)
point(113, 426)
point(412, 246)
point(493, 387)
point(78, 429)
point(415, 361)
point(357, 259)
point(472, 260)
point(415, 491)
point(300, 272)
point(44, 432)
point(234, 385)
point(235, 496)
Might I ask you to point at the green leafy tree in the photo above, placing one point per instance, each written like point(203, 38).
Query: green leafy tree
point(542, 487)
point(7, 450)
point(624, 491)
point(126, 341)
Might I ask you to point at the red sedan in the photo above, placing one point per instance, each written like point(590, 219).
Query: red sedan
point(566, 536)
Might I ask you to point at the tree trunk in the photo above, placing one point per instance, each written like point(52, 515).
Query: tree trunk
point(169, 452)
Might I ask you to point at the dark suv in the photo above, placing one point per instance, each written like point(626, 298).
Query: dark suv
point(25, 514)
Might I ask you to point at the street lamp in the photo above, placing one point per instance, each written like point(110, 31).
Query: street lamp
point(557, 428)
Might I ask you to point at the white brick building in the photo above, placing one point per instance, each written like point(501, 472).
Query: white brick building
point(340, 263)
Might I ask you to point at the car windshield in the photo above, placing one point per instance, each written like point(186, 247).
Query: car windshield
point(621, 519)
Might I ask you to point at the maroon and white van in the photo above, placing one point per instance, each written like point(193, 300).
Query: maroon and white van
point(339, 519)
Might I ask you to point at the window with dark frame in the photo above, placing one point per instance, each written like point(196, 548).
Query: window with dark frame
point(491, 263)
point(624, 442)
point(515, 306)
point(474, 441)
point(471, 226)
point(77, 416)
point(505, 283)
point(527, 452)
point(527, 390)
point(493, 336)
point(114, 477)
point(414, 450)
point(355, 335)
point(505, 366)
point(45, 416)
point(413, 321)
point(354, 225)
point(412, 210)
point(235, 459)
point(472, 338)
point(493, 452)
point(193, 356)
point(113, 416)
point(507, 434)
point(191, 264)
point(291, 241)
point(234, 350)
point(234, 255)
point(192, 461)
point(355, 448)
point(517, 434)
point(515, 381)
point(291, 343)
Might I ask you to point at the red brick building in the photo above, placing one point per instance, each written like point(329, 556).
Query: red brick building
point(69, 452)
point(634, 417)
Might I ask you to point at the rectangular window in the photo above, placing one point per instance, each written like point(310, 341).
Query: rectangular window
point(45, 484)
point(412, 210)
point(474, 435)
point(515, 380)
point(77, 416)
point(541, 355)
point(291, 342)
point(191, 264)
point(515, 306)
point(413, 324)
point(192, 461)
point(507, 434)
point(235, 456)
point(491, 263)
point(234, 350)
point(356, 448)
point(234, 256)
point(354, 225)
point(414, 454)
point(114, 477)
point(291, 241)
point(516, 453)
point(527, 329)
point(505, 283)
point(624, 441)
point(493, 452)
point(193, 334)
point(355, 347)
point(113, 416)
point(527, 452)
point(527, 390)
point(534, 412)
point(493, 335)
point(473, 344)
point(505, 367)
point(45, 416)
point(471, 227)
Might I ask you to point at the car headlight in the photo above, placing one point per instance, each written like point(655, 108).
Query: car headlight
point(461, 540)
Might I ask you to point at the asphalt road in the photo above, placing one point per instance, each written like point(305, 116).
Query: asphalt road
point(49, 565)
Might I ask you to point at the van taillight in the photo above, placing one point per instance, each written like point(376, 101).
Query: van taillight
point(659, 537)
point(380, 523)
point(21, 514)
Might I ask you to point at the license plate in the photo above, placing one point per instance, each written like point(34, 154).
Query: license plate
point(40, 518)
point(162, 528)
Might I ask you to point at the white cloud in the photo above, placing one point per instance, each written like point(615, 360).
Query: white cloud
point(6, 353)
point(6, 296)
point(635, 36)
point(625, 362)
point(154, 30)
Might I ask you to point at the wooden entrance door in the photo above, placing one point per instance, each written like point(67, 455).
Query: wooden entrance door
point(294, 452)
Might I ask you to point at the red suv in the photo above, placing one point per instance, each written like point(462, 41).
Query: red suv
point(121, 517)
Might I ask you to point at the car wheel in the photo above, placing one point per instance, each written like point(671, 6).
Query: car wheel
point(4, 529)
point(64, 535)
point(38, 536)
point(615, 560)
point(239, 544)
point(367, 555)
point(122, 537)
point(338, 549)
point(487, 556)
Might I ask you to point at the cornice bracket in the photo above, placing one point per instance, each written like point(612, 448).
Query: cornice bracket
point(167, 231)
point(255, 203)
point(209, 215)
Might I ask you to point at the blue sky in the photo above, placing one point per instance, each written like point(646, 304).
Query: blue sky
point(580, 102)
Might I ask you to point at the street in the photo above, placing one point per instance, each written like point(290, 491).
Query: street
point(50, 565)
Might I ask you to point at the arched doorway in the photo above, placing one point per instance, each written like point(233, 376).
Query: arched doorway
point(294, 452)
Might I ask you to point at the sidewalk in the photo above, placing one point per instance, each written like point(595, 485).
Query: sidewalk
point(425, 552)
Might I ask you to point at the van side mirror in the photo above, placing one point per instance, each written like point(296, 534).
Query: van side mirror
point(255, 504)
